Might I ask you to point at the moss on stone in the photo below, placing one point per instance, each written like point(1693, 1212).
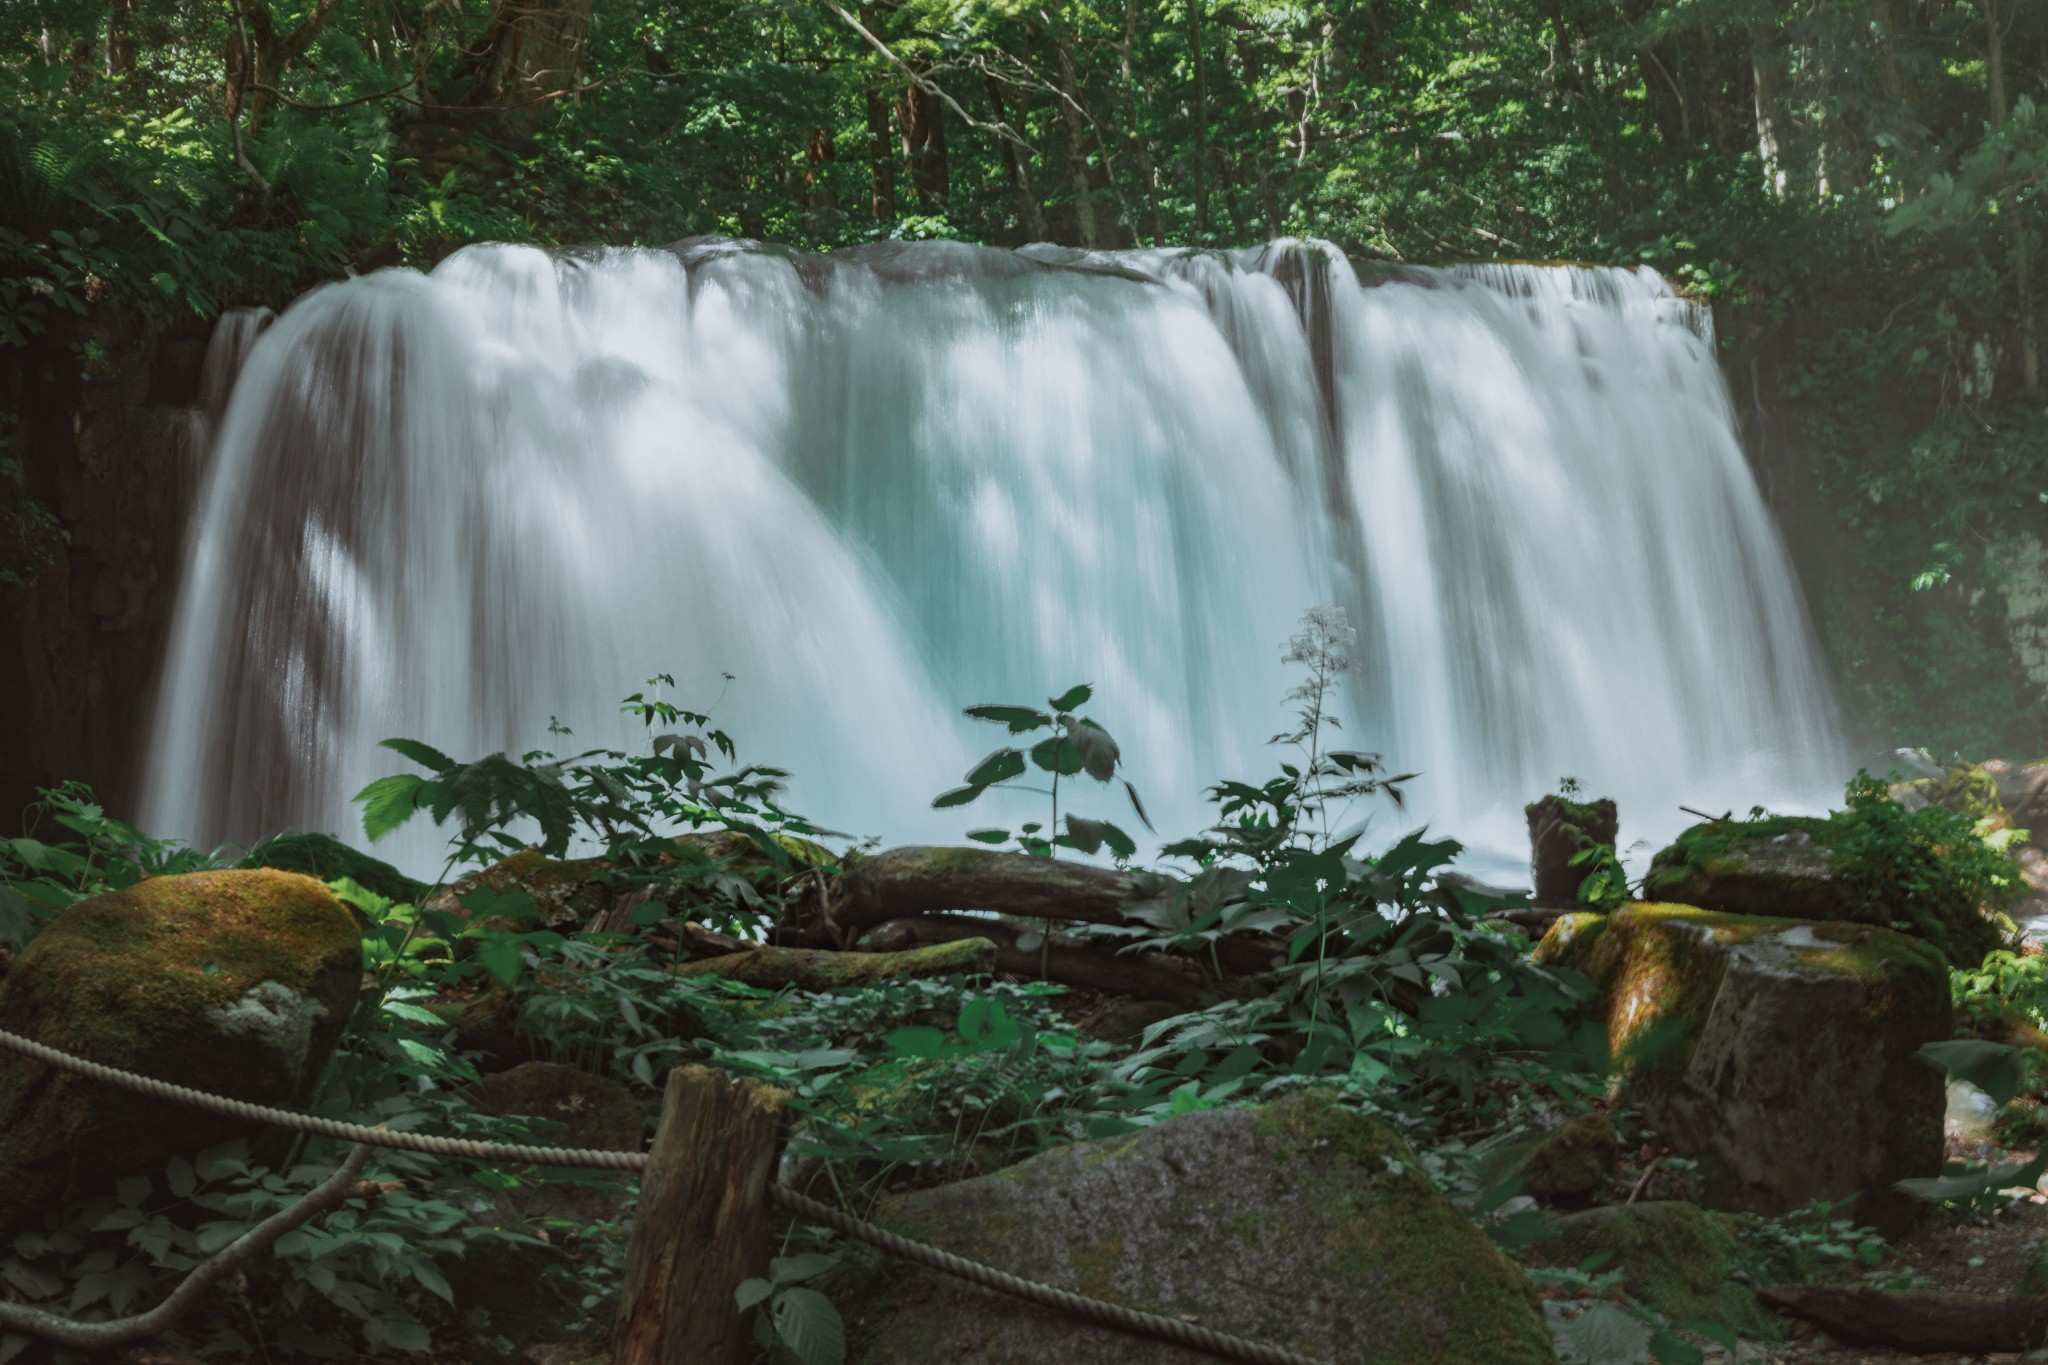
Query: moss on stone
point(1336, 1244)
point(1573, 1161)
point(812, 969)
point(236, 982)
point(1675, 1257)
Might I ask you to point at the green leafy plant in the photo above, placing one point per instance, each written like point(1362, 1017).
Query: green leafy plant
point(1076, 745)
point(797, 1318)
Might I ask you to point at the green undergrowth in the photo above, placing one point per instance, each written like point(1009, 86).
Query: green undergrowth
point(1389, 992)
point(1938, 873)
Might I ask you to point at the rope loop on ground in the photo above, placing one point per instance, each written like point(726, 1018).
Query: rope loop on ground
point(1172, 1330)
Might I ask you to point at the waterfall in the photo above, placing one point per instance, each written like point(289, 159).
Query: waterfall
point(879, 485)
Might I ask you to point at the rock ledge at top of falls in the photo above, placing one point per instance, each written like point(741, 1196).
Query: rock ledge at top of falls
point(1777, 1053)
point(237, 983)
point(1300, 1223)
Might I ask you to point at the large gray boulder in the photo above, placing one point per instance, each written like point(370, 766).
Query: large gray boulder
point(1302, 1223)
point(235, 983)
point(1776, 1053)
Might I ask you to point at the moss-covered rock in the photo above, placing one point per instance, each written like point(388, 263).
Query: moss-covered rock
point(1878, 864)
point(328, 858)
point(1301, 1223)
point(1571, 1163)
point(815, 969)
point(1777, 1053)
point(237, 983)
point(1675, 1257)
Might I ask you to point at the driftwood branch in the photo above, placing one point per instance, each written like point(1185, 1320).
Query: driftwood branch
point(1924, 1321)
point(813, 969)
point(209, 1272)
point(919, 880)
point(1069, 961)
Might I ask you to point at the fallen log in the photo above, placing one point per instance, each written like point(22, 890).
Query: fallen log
point(1917, 1320)
point(915, 880)
point(816, 969)
point(1067, 960)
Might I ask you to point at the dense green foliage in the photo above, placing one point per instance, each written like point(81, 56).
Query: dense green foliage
point(1857, 185)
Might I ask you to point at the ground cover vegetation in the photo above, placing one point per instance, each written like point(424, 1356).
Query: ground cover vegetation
point(1387, 989)
point(1856, 185)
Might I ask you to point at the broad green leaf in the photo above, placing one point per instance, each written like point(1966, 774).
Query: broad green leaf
point(1000, 766)
point(1120, 843)
point(1138, 806)
point(1097, 750)
point(1057, 755)
point(794, 1269)
point(1602, 1335)
point(751, 1292)
point(1073, 697)
point(1019, 718)
point(1997, 1069)
point(809, 1325)
point(959, 796)
point(388, 803)
point(916, 1040)
point(426, 755)
point(1085, 835)
point(500, 956)
point(989, 836)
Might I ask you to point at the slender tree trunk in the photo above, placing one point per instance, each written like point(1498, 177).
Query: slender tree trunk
point(921, 121)
point(1201, 166)
point(2022, 243)
point(120, 40)
point(1081, 145)
point(1767, 62)
point(881, 159)
point(1030, 212)
point(1148, 180)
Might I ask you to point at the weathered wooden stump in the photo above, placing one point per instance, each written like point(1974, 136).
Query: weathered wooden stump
point(702, 1224)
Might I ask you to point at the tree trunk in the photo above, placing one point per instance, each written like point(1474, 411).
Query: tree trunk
point(1148, 180)
point(530, 50)
point(2022, 244)
point(702, 1223)
point(922, 120)
point(1201, 166)
point(882, 160)
point(1082, 144)
point(1069, 961)
point(1767, 63)
point(1030, 212)
point(916, 880)
point(1966, 1324)
point(812, 969)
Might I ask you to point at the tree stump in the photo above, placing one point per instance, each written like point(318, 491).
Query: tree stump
point(702, 1224)
point(1558, 829)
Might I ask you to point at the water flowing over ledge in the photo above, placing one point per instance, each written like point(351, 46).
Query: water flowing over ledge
point(879, 485)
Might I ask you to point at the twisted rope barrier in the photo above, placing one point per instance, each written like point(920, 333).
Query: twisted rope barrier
point(1175, 1331)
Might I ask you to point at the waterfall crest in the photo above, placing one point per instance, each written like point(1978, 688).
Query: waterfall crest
point(883, 484)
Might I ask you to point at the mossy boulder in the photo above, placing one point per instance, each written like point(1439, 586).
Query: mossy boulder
point(1777, 1053)
point(1890, 868)
point(1300, 1223)
point(238, 983)
point(329, 859)
point(1676, 1257)
point(1569, 1165)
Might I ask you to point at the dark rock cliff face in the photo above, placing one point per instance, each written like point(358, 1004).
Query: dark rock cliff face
point(106, 435)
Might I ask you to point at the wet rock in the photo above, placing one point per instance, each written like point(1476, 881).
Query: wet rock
point(1776, 1053)
point(1337, 1246)
point(237, 983)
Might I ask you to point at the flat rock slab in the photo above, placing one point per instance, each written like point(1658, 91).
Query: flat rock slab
point(1777, 1053)
point(1301, 1223)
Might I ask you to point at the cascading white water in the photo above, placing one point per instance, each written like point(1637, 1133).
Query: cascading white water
point(881, 485)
